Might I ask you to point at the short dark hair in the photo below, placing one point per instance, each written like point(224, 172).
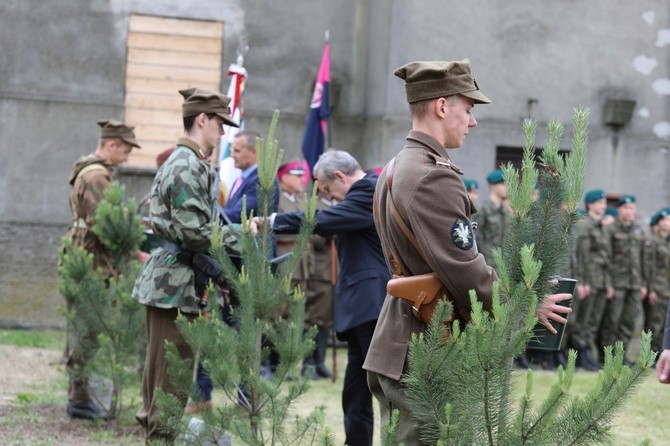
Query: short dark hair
point(419, 109)
point(190, 120)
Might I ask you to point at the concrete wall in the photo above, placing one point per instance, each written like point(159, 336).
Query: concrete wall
point(62, 68)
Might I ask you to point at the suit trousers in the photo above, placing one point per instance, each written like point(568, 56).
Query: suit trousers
point(160, 328)
point(356, 396)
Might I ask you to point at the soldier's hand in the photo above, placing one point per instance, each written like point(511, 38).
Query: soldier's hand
point(255, 223)
point(643, 292)
point(609, 293)
point(583, 291)
point(549, 310)
point(663, 367)
point(653, 297)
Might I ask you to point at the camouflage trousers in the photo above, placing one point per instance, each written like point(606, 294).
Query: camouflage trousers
point(654, 321)
point(585, 319)
point(620, 316)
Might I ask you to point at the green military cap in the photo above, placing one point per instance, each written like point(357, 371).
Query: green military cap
point(115, 129)
point(495, 177)
point(665, 212)
point(626, 199)
point(197, 100)
point(470, 184)
point(594, 195)
point(436, 79)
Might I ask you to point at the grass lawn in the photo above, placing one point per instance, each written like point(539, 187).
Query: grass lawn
point(644, 416)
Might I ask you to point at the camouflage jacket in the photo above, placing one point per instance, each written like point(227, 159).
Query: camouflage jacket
point(657, 266)
point(181, 212)
point(491, 225)
point(626, 247)
point(593, 254)
point(90, 177)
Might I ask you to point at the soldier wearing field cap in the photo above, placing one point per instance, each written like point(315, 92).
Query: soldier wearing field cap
point(181, 215)
point(626, 240)
point(657, 275)
point(594, 282)
point(492, 216)
point(90, 177)
point(426, 189)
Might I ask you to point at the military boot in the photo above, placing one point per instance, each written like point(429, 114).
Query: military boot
point(585, 361)
point(320, 353)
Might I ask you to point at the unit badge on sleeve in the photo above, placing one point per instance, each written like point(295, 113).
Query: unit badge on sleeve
point(461, 234)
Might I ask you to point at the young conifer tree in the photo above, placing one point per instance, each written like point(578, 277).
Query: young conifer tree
point(257, 409)
point(463, 387)
point(106, 322)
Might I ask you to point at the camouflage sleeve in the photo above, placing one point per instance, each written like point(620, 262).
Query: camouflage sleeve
point(582, 250)
point(93, 185)
point(182, 211)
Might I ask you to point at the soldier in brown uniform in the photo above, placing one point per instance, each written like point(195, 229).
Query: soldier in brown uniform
point(431, 198)
point(91, 176)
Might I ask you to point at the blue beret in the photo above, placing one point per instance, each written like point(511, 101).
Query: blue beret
point(594, 195)
point(612, 211)
point(495, 177)
point(626, 199)
point(470, 184)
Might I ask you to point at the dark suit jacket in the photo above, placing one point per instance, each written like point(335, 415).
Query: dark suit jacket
point(432, 200)
point(361, 283)
point(233, 207)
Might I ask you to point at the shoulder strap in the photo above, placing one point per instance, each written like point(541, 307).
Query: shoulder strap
point(91, 167)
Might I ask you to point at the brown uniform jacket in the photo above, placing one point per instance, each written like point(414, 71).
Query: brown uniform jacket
point(431, 198)
point(90, 178)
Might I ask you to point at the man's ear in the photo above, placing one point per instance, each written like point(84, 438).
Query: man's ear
point(201, 119)
point(339, 175)
point(440, 107)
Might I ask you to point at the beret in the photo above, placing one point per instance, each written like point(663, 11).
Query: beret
point(495, 177)
point(626, 199)
point(594, 195)
point(470, 184)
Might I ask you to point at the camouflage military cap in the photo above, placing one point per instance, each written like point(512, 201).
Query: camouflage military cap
point(495, 177)
point(436, 79)
point(197, 100)
point(594, 195)
point(116, 129)
point(626, 199)
point(470, 184)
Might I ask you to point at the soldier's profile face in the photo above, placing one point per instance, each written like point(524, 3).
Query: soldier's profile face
point(119, 151)
point(458, 120)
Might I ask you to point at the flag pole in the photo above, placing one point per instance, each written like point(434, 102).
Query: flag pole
point(329, 141)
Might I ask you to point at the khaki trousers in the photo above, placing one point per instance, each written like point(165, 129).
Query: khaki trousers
point(390, 395)
point(160, 328)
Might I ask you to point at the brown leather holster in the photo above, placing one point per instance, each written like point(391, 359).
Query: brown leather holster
point(422, 292)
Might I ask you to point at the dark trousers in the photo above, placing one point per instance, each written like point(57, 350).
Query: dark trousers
point(356, 396)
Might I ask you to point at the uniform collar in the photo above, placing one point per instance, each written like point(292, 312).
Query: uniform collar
point(193, 146)
point(428, 141)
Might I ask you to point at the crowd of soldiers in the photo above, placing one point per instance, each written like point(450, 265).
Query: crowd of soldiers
point(622, 270)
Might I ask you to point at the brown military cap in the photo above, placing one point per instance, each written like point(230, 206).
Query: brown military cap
point(116, 129)
point(430, 80)
point(197, 100)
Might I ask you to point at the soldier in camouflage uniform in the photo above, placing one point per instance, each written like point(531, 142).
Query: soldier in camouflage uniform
point(472, 187)
point(657, 266)
point(492, 217)
point(181, 214)
point(91, 176)
point(626, 240)
point(594, 283)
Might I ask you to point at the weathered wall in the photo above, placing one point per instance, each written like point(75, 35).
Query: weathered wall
point(62, 68)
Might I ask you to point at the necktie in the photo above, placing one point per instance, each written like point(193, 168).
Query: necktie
point(236, 186)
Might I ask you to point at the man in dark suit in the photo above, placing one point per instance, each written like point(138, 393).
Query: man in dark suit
point(243, 151)
point(361, 285)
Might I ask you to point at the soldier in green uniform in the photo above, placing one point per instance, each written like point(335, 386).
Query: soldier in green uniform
point(594, 282)
point(626, 240)
point(491, 217)
point(657, 266)
point(91, 176)
point(181, 215)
